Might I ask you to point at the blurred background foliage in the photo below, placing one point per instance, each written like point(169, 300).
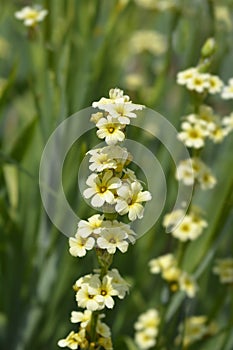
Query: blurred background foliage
point(81, 50)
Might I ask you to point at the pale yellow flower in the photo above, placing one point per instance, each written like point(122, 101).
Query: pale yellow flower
point(147, 329)
point(228, 123)
point(193, 329)
point(193, 135)
point(91, 226)
point(171, 273)
point(227, 92)
point(115, 96)
point(224, 268)
point(103, 330)
point(218, 134)
point(148, 40)
point(134, 81)
point(79, 245)
point(162, 263)
point(112, 239)
point(184, 76)
point(206, 180)
point(130, 198)
point(100, 188)
point(188, 229)
point(190, 170)
point(215, 84)
point(118, 283)
point(199, 82)
point(106, 343)
point(72, 341)
point(110, 130)
point(122, 111)
point(81, 317)
point(31, 16)
point(187, 284)
point(88, 297)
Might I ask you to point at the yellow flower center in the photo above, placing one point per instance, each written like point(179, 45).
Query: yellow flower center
point(32, 15)
point(193, 134)
point(198, 81)
point(185, 228)
point(103, 189)
point(111, 129)
point(103, 292)
point(174, 287)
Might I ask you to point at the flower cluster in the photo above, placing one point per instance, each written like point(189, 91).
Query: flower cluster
point(198, 127)
point(224, 269)
point(148, 40)
point(185, 227)
point(193, 170)
point(193, 329)
point(111, 186)
point(147, 329)
point(195, 80)
point(79, 339)
point(167, 266)
point(94, 293)
point(104, 234)
point(204, 123)
point(31, 16)
point(115, 190)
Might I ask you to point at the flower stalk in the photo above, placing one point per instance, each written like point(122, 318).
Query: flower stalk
point(115, 190)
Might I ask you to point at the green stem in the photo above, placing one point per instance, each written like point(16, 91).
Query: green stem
point(105, 260)
point(94, 320)
point(161, 80)
point(225, 208)
point(212, 17)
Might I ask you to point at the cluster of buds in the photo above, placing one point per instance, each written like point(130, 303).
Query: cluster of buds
point(203, 125)
point(113, 189)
